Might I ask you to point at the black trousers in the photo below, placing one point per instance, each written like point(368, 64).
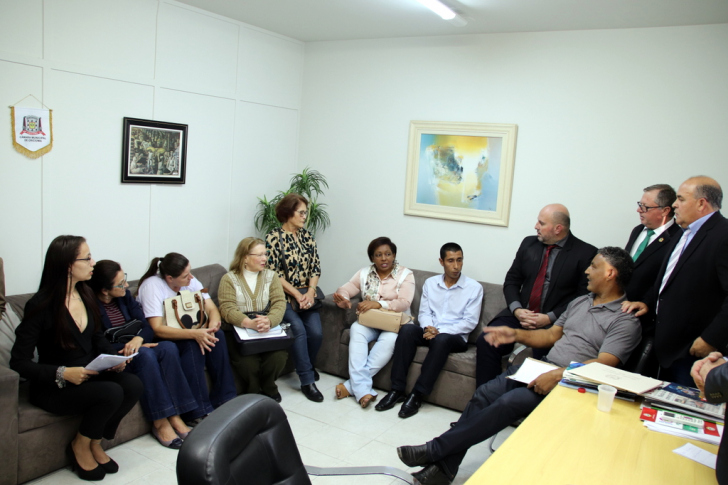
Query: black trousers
point(494, 407)
point(488, 358)
point(103, 401)
point(408, 339)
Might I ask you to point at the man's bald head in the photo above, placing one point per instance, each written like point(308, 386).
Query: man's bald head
point(697, 197)
point(553, 223)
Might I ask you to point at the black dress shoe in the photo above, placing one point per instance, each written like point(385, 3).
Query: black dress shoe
point(414, 455)
point(110, 466)
point(392, 398)
point(97, 473)
point(431, 475)
point(312, 393)
point(411, 405)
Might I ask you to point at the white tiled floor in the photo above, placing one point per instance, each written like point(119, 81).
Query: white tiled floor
point(332, 433)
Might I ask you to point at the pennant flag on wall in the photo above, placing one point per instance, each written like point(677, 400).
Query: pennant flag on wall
point(32, 130)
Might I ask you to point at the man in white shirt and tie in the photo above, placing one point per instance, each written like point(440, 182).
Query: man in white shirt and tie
point(690, 294)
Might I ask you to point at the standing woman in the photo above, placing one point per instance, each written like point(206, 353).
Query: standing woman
point(292, 254)
point(383, 284)
point(62, 321)
point(251, 296)
point(198, 348)
point(166, 392)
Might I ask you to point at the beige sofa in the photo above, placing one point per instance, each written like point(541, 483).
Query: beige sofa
point(456, 383)
point(32, 441)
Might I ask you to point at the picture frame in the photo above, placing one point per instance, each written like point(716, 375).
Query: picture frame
point(460, 171)
point(153, 152)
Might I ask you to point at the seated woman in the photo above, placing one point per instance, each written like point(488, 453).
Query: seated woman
point(62, 321)
point(166, 392)
point(384, 284)
point(292, 254)
point(198, 348)
point(247, 290)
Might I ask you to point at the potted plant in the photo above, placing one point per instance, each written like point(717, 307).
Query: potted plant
point(309, 183)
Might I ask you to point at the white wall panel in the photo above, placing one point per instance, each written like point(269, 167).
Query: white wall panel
point(20, 185)
point(192, 219)
point(83, 193)
point(601, 114)
point(196, 52)
point(110, 35)
point(265, 158)
point(22, 27)
point(270, 69)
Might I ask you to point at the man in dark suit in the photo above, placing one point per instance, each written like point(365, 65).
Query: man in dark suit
point(690, 295)
point(546, 274)
point(711, 377)
point(650, 240)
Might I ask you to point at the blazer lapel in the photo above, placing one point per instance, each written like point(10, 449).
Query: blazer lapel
point(633, 237)
point(653, 247)
point(693, 246)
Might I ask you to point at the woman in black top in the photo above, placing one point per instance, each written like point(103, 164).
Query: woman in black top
point(62, 321)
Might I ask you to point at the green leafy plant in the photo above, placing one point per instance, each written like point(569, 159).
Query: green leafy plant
point(309, 183)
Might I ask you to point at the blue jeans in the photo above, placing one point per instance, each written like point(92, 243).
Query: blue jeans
point(166, 392)
point(218, 365)
point(307, 335)
point(363, 364)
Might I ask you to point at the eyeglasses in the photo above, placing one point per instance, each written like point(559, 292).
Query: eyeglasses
point(253, 255)
point(302, 213)
point(645, 208)
point(122, 284)
point(88, 260)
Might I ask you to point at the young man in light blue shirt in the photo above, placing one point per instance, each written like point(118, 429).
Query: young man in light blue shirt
point(449, 311)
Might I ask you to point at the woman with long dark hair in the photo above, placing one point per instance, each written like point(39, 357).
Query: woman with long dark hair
point(62, 321)
point(293, 255)
point(166, 392)
point(199, 348)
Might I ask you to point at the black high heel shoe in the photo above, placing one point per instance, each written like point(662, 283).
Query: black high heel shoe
point(97, 473)
point(110, 466)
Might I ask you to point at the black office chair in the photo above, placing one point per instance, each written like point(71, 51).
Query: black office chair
point(248, 441)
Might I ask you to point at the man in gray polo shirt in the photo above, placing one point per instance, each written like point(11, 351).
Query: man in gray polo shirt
point(592, 329)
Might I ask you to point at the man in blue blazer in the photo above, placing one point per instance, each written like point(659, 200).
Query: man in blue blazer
point(546, 274)
point(649, 241)
point(690, 295)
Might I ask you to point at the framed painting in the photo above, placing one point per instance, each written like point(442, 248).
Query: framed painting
point(154, 152)
point(460, 171)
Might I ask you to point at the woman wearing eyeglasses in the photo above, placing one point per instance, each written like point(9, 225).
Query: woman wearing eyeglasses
point(292, 254)
point(62, 321)
point(200, 348)
point(166, 392)
point(252, 297)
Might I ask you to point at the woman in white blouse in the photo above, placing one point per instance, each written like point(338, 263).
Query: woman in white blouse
point(383, 284)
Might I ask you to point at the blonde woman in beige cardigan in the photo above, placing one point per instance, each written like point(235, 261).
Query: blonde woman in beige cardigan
point(251, 288)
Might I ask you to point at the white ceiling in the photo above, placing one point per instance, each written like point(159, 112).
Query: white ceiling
point(320, 20)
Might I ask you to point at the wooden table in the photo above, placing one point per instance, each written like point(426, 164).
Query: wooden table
point(566, 440)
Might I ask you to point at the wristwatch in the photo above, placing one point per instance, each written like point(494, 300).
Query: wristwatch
point(60, 381)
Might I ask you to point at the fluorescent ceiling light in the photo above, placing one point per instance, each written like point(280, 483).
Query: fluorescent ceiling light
point(442, 10)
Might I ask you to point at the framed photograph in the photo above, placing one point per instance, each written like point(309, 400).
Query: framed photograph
point(154, 152)
point(460, 171)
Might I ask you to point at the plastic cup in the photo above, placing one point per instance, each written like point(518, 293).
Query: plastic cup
point(606, 397)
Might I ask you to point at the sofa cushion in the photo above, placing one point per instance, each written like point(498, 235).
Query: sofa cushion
point(32, 417)
point(8, 323)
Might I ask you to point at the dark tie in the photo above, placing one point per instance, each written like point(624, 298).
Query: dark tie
point(644, 244)
point(534, 302)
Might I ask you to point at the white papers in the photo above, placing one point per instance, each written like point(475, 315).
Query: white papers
point(531, 369)
point(700, 435)
point(107, 361)
point(621, 379)
point(697, 454)
point(250, 334)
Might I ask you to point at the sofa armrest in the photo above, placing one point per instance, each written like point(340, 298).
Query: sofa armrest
point(9, 382)
point(334, 321)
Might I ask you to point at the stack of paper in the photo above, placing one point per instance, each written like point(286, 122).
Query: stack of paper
point(251, 334)
point(682, 425)
point(621, 379)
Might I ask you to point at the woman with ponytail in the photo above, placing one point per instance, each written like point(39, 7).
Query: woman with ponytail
point(199, 348)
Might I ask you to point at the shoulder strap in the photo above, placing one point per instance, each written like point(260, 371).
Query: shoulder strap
point(404, 275)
